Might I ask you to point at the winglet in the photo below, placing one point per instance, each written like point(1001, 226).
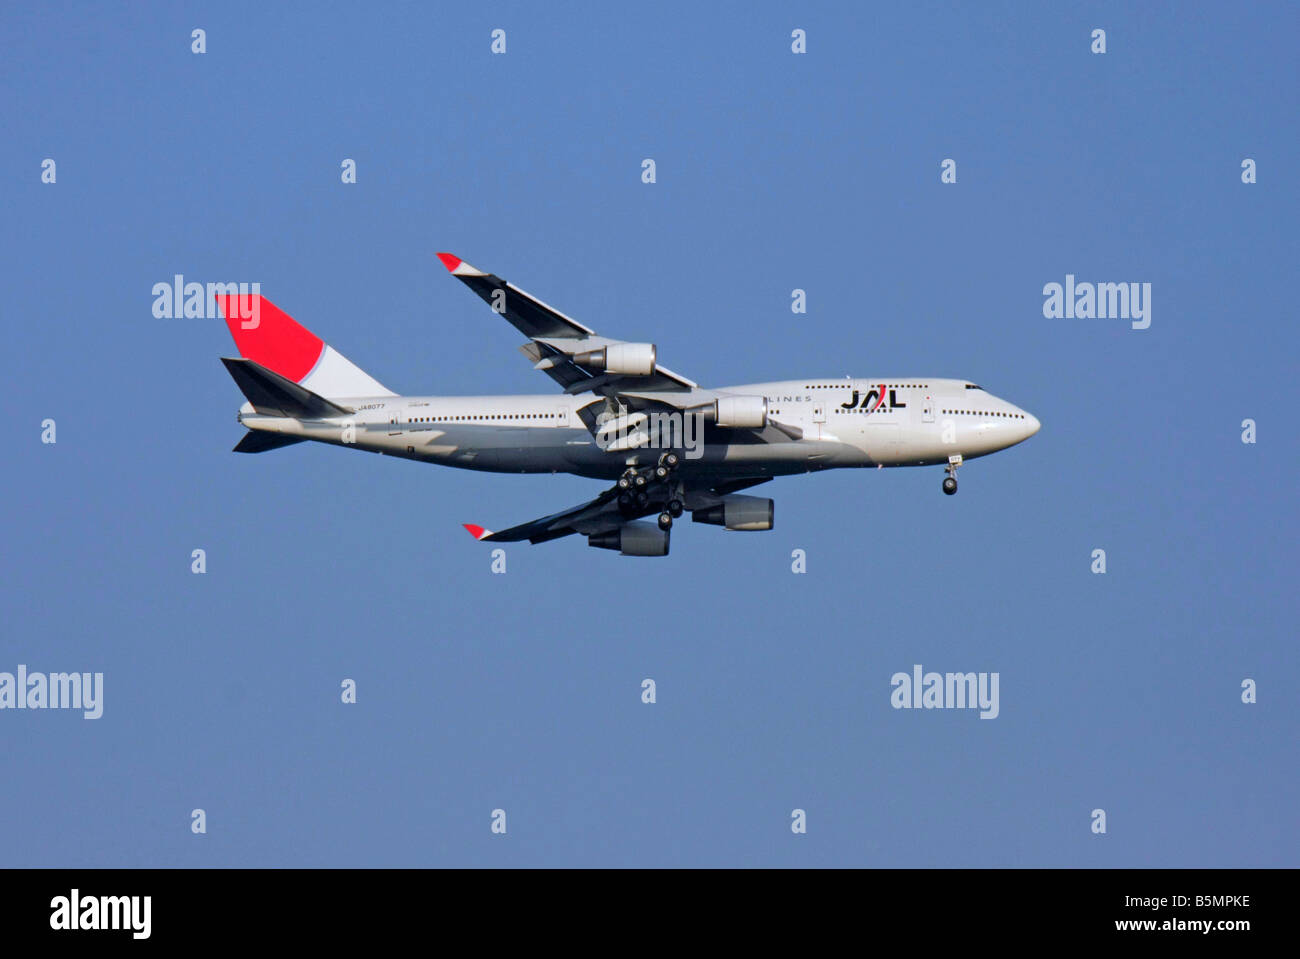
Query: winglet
point(458, 267)
point(478, 532)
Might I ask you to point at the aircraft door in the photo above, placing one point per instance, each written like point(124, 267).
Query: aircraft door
point(395, 423)
point(927, 410)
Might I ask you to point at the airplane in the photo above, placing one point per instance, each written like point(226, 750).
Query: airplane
point(669, 445)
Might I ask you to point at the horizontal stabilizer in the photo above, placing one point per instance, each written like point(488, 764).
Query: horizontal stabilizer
point(259, 441)
point(274, 395)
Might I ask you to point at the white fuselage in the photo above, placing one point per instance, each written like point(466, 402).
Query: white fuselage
point(912, 421)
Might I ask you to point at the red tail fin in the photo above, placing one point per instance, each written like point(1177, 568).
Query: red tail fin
point(266, 334)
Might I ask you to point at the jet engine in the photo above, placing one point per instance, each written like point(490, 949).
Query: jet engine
point(740, 412)
point(633, 539)
point(738, 512)
point(622, 359)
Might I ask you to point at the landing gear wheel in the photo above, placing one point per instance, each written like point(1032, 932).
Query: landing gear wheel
point(661, 471)
point(625, 500)
point(642, 500)
point(639, 480)
point(670, 460)
point(625, 481)
point(665, 521)
point(675, 508)
point(950, 481)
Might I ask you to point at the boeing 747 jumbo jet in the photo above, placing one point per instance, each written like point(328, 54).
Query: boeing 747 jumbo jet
point(670, 445)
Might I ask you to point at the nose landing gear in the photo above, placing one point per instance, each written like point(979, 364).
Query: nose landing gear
point(950, 481)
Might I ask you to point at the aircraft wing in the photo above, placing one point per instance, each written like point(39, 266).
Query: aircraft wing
point(558, 343)
point(603, 514)
point(595, 516)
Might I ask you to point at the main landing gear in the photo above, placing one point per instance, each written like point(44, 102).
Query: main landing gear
point(674, 510)
point(636, 486)
point(950, 481)
point(632, 490)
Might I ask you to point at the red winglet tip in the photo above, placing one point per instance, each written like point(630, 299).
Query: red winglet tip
point(449, 261)
point(478, 532)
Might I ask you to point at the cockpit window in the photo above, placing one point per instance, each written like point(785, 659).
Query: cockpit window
point(972, 386)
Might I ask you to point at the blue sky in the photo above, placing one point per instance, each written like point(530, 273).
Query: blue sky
point(522, 691)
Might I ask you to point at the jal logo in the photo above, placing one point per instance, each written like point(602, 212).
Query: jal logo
point(874, 400)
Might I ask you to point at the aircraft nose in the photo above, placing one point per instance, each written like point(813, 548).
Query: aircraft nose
point(1031, 424)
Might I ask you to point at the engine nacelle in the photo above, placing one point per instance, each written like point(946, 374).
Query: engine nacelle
point(633, 539)
point(740, 412)
point(738, 512)
point(623, 359)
